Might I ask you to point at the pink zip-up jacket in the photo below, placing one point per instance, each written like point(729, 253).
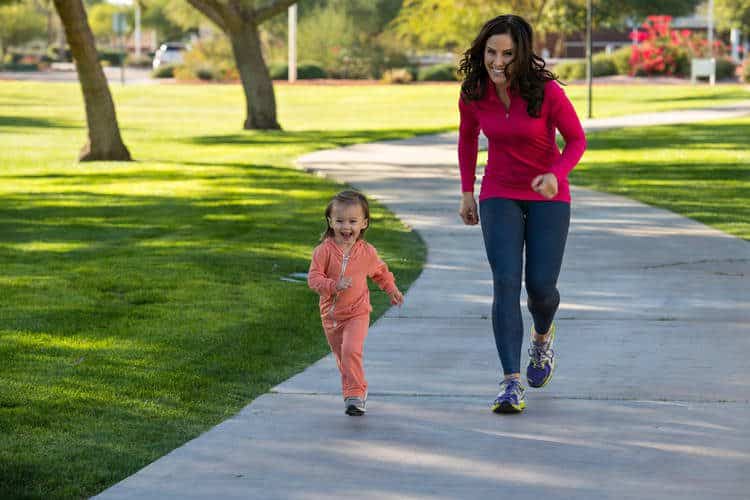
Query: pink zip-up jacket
point(329, 264)
point(520, 147)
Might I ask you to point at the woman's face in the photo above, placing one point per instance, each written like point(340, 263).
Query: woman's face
point(499, 52)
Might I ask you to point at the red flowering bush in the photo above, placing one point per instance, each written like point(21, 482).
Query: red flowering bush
point(662, 50)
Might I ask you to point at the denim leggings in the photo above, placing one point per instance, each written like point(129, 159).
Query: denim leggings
point(508, 226)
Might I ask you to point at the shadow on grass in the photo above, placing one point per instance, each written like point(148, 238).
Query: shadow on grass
point(697, 170)
point(131, 322)
point(692, 136)
point(21, 121)
point(329, 138)
point(718, 96)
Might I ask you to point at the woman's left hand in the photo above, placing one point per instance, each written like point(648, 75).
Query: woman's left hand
point(546, 185)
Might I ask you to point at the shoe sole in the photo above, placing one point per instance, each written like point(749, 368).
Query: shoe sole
point(506, 407)
point(353, 411)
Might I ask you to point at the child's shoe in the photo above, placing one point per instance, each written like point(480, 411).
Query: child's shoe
point(355, 407)
point(541, 361)
point(512, 397)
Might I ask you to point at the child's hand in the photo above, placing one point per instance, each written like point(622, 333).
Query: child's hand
point(343, 283)
point(396, 298)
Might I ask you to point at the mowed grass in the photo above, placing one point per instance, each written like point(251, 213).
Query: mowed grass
point(701, 170)
point(618, 100)
point(143, 302)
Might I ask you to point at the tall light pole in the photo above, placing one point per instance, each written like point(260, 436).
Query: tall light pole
point(589, 60)
point(137, 34)
point(292, 63)
point(710, 28)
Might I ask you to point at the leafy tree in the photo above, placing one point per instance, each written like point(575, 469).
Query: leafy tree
point(732, 14)
point(451, 25)
point(616, 13)
point(172, 19)
point(19, 23)
point(100, 19)
point(239, 20)
point(104, 141)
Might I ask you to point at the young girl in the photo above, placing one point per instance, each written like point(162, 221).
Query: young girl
point(338, 272)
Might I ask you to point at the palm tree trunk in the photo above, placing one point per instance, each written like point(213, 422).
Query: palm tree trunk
point(104, 141)
point(256, 80)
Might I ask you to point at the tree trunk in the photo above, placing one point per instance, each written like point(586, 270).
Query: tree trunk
point(256, 80)
point(105, 143)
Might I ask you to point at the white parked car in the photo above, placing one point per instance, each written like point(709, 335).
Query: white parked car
point(169, 53)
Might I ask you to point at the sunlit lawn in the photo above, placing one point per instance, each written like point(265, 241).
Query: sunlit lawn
point(701, 171)
point(141, 303)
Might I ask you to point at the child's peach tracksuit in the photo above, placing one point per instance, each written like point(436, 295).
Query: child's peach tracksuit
point(346, 313)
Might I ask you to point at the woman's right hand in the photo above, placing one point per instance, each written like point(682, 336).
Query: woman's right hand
point(468, 209)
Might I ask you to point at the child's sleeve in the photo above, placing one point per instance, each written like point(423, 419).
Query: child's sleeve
point(316, 276)
point(380, 274)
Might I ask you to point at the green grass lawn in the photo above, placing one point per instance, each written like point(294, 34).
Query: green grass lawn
point(615, 100)
point(141, 303)
point(701, 171)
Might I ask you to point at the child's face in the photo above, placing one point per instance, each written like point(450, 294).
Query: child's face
point(347, 221)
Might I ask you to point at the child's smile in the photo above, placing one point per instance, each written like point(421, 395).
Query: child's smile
point(347, 221)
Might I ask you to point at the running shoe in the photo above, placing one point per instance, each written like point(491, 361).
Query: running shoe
point(541, 361)
point(512, 397)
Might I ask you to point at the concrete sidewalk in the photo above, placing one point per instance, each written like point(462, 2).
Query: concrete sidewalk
point(651, 399)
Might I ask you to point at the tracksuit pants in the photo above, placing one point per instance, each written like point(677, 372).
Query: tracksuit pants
point(347, 340)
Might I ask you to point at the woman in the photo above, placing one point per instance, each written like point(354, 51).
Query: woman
point(524, 201)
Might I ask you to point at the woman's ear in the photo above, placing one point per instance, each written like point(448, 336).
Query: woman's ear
point(366, 223)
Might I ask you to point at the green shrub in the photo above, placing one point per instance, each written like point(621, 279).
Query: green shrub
point(18, 67)
point(142, 61)
point(163, 71)
point(621, 59)
point(112, 57)
point(278, 71)
point(603, 65)
point(397, 75)
point(437, 73)
point(56, 54)
point(208, 59)
point(746, 71)
point(682, 62)
point(567, 71)
point(305, 71)
point(725, 68)
point(205, 74)
point(310, 70)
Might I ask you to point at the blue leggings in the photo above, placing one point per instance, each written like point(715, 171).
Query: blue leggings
point(508, 225)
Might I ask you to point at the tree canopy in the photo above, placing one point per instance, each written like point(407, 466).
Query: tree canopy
point(449, 25)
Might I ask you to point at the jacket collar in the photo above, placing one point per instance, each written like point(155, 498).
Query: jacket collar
point(329, 241)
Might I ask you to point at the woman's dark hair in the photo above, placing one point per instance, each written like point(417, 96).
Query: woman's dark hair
point(346, 198)
point(527, 72)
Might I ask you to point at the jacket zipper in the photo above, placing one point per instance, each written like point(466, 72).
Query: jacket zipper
point(344, 262)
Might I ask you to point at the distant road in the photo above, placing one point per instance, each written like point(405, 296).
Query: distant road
point(132, 76)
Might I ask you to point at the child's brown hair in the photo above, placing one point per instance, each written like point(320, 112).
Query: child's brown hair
point(348, 197)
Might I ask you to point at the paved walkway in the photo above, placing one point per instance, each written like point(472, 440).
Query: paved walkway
point(651, 399)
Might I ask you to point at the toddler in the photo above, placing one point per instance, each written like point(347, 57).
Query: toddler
point(340, 266)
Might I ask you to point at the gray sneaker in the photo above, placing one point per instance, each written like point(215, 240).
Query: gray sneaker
point(355, 407)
